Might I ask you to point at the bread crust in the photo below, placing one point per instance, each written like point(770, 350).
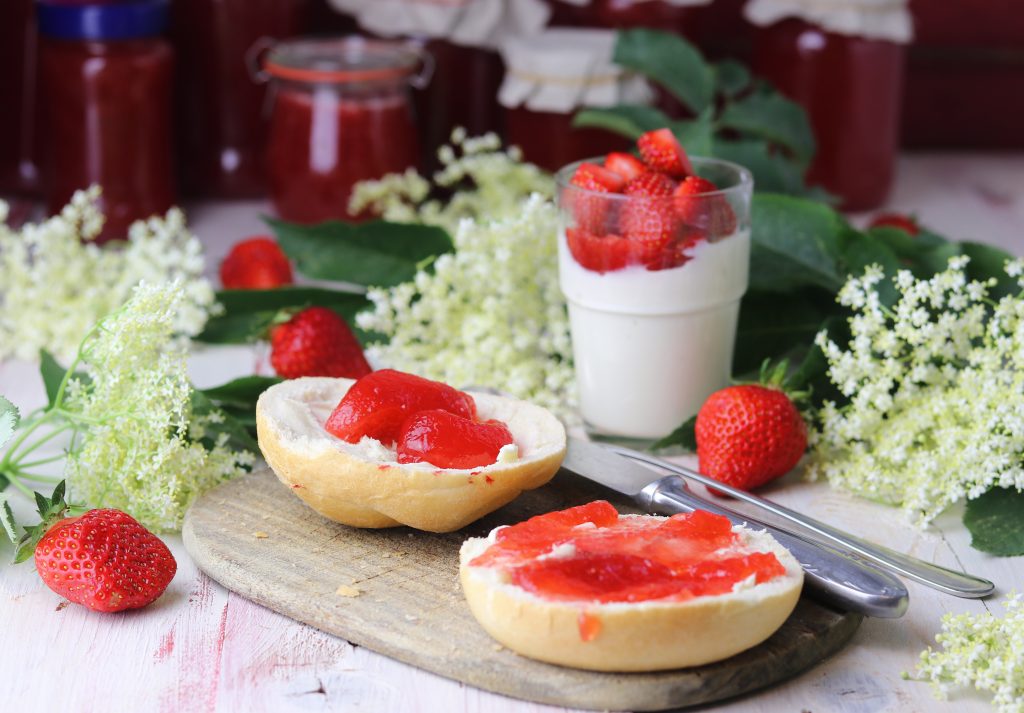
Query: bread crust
point(342, 484)
point(641, 636)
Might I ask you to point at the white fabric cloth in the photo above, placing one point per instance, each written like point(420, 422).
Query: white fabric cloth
point(474, 23)
point(874, 19)
point(564, 69)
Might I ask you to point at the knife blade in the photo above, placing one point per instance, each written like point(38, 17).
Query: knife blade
point(831, 575)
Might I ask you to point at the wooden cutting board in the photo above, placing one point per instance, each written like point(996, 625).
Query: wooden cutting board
point(396, 592)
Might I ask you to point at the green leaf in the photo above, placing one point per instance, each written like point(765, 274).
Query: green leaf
point(9, 419)
point(52, 373)
point(696, 136)
point(378, 253)
point(795, 244)
point(811, 374)
point(239, 437)
point(987, 262)
point(773, 171)
point(771, 116)
point(249, 314)
point(7, 519)
point(245, 390)
point(629, 120)
point(996, 522)
point(776, 324)
point(731, 77)
point(670, 61)
point(683, 437)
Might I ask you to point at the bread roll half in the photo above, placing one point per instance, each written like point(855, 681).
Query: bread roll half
point(642, 636)
point(361, 484)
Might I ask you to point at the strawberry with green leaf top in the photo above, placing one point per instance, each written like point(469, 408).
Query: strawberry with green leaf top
point(750, 434)
point(102, 559)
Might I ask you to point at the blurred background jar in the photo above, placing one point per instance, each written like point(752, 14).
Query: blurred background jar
point(550, 78)
point(106, 83)
point(220, 112)
point(19, 173)
point(843, 61)
point(463, 37)
point(341, 113)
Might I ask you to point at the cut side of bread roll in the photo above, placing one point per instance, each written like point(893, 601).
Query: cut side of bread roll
point(363, 485)
point(640, 634)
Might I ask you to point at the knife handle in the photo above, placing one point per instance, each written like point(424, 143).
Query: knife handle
point(831, 576)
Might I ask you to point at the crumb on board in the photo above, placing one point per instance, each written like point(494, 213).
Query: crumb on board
point(497, 647)
point(260, 535)
point(347, 591)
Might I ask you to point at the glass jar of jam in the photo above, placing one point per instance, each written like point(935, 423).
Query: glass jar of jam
point(105, 75)
point(220, 115)
point(18, 169)
point(341, 113)
point(552, 76)
point(848, 75)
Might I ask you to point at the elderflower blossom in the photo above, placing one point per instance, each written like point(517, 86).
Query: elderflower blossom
point(140, 449)
point(55, 281)
point(488, 183)
point(489, 314)
point(982, 651)
point(936, 390)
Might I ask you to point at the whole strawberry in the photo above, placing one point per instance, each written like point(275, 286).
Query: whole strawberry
point(255, 264)
point(104, 560)
point(316, 342)
point(906, 223)
point(748, 435)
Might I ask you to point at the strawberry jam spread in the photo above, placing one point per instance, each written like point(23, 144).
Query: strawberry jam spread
point(589, 554)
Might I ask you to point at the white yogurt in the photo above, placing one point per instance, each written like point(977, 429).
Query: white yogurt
point(651, 346)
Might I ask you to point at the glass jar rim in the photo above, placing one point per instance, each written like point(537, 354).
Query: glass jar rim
point(744, 178)
point(341, 60)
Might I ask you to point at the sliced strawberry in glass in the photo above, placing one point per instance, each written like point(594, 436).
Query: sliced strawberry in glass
point(450, 441)
point(589, 205)
point(698, 210)
point(600, 254)
point(624, 164)
point(651, 225)
point(662, 152)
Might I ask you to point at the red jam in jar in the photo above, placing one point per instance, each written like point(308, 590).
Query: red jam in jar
point(18, 171)
point(106, 81)
point(851, 87)
point(341, 114)
point(220, 114)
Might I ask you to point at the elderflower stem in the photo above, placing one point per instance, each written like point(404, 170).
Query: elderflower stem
point(43, 461)
point(16, 458)
point(16, 482)
point(8, 459)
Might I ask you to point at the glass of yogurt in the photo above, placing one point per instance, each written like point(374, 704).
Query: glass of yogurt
point(653, 275)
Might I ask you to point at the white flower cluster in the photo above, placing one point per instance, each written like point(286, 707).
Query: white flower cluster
point(982, 651)
point(936, 389)
point(55, 282)
point(488, 183)
point(489, 314)
point(135, 450)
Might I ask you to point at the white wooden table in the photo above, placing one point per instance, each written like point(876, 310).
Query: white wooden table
point(202, 648)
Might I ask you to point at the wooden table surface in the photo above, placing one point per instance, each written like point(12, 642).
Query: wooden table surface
point(202, 648)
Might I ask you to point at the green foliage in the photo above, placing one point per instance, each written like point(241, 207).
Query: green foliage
point(996, 522)
point(379, 253)
point(733, 117)
point(237, 401)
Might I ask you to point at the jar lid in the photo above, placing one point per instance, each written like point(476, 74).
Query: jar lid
point(341, 60)
point(472, 23)
point(564, 69)
point(119, 21)
point(872, 19)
